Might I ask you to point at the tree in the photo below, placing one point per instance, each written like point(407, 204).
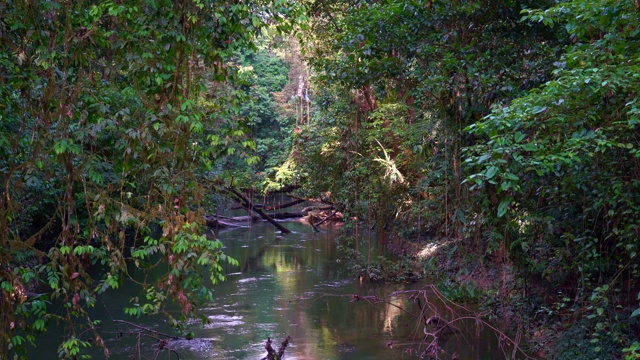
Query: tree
point(412, 75)
point(113, 117)
point(562, 162)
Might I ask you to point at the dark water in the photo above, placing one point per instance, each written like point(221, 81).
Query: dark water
point(294, 285)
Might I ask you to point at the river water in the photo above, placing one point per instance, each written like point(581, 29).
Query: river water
point(292, 285)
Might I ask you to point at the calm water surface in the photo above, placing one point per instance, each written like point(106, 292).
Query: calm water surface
point(290, 285)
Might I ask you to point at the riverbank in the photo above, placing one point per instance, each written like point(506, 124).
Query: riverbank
point(543, 322)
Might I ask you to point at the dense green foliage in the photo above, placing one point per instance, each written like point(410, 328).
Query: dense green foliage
point(564, 163)
point(505, 129)
point(400, 80)
point(269, 124)
point(563, 158)
point(115, 119)
point(505, 132)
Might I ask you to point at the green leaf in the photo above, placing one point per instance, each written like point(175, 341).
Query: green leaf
point(491, 172)
point(537, 109)
point(636, 312)
point(460, 216)
point(6, 286)
point(39, 325)
point(504, 206)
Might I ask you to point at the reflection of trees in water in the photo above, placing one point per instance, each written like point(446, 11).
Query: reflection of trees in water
point(252, 261)
point(435, 321)
point(295, 287)
point(393, 314)
point(283, 269)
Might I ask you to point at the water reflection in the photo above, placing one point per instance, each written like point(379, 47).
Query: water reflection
point(294, 285)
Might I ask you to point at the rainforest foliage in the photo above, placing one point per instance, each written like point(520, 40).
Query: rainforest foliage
point(116, 118)
point(503, 132)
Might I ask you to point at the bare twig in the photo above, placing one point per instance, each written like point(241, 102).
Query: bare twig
point(145, 329)
point(442, 326)
point(459, 318)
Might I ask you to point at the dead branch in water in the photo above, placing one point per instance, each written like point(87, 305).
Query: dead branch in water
point(274, 207)
point(271, 353)
point(286, 205)
point(146, 329)
point(248, 205)
point(436, 328)
point(459, 314)
point(218, 221)
point(315, 226)
point(163, 339)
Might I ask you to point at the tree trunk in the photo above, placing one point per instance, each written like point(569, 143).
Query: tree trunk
point(248, 205)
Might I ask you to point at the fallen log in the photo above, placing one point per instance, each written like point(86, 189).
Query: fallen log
point(315, 226)
point(244, 218)
point(217, 221)
point(318, 208)
point(213, 221)
point(322, 200)
point(248, 205)
point(286, 205)
point(274, 207)
point(287, 215)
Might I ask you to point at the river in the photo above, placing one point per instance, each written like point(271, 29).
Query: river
point(292, 285)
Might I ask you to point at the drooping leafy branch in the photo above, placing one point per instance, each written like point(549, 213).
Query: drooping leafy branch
point(113, 115)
